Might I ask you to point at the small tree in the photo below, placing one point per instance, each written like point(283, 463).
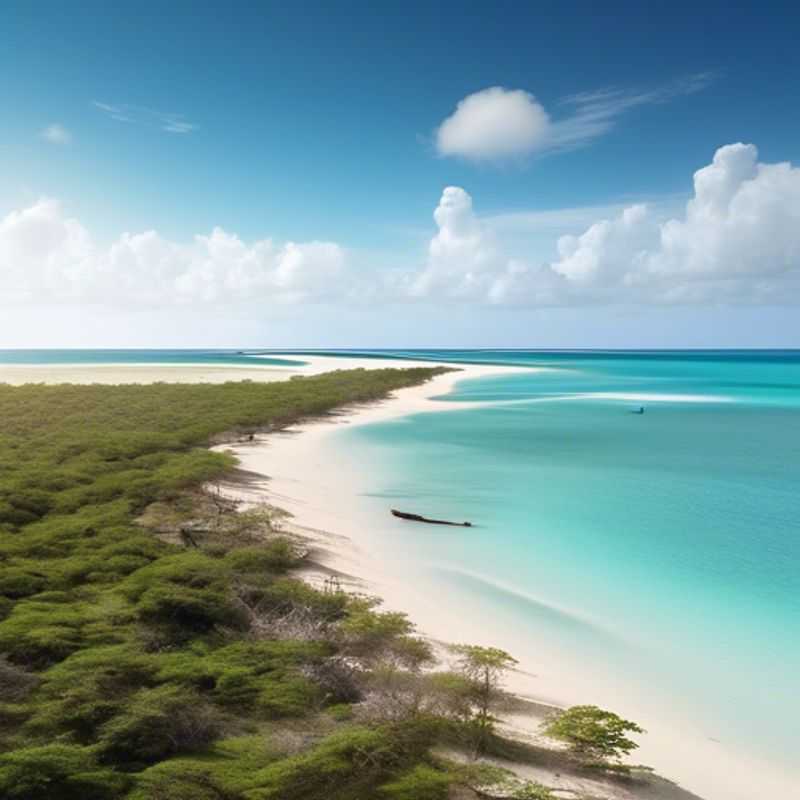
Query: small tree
point(483, 669)
point(592, 733)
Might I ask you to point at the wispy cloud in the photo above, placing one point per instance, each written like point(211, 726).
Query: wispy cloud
point(148, 117)
point(593, 114)
point(498, 123)
point(55, 133)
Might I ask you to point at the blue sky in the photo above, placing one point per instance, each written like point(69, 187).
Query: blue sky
point(323, 124)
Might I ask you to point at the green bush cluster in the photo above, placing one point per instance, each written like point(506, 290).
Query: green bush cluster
point(134, 668)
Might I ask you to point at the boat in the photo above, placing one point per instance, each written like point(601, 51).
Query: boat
point(639, 410)
point(419, 518)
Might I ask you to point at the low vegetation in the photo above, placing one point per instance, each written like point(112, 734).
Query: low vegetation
point(154, 644)
point(594, 735)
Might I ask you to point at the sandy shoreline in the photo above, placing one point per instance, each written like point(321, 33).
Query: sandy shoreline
point(406, 401)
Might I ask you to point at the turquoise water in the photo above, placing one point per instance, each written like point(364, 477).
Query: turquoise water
point(232, 357)
point(659, 552)
point(663, 549)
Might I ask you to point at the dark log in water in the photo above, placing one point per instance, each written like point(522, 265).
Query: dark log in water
point(419, 518)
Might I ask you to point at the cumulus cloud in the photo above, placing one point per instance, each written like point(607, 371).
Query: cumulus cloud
point(466, 262)
point(736, 241)
point(739, 237)
point(47, 256)
point(499, 123)
point(460, 255)
point(56, 133)
point(494, 123)
point(43, 251)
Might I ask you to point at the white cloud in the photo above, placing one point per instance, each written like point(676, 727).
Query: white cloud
point(737, 241)
point(48, 257)
point(460, 255)
point(139, 115)
point(500, 123)
point(494, 123)
point(605, 249)
point(42, 252)
point(744, 220)
point(56, 133)
point(466, 261)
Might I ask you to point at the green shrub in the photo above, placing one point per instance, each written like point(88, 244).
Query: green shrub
point(341, 712)
point(15, 682)
point(16, 582)
point(347, 764)
point(158, 723)
point(276, 555)
point(224, 772)
point(185, 608)
point(188, 591)
point(422, 782)
point(38, 634)
point(347, 760)
point(89, 688)
point(532, 791)
point(176, 781)
point(593, 733)
point(57, 772)
point(291, 695)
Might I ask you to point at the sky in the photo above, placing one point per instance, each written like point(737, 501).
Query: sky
point(395, 175)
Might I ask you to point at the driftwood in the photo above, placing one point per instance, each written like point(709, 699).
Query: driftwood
point(419, 518)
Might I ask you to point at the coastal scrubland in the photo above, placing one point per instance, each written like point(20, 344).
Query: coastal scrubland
point(155, 645)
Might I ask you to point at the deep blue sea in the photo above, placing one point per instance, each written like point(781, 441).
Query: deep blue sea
point(660, 550)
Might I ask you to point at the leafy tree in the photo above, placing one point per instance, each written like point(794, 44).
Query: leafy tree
point(592, 733)
point(483, 669)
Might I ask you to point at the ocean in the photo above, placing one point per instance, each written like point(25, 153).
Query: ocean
point(652, 560)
